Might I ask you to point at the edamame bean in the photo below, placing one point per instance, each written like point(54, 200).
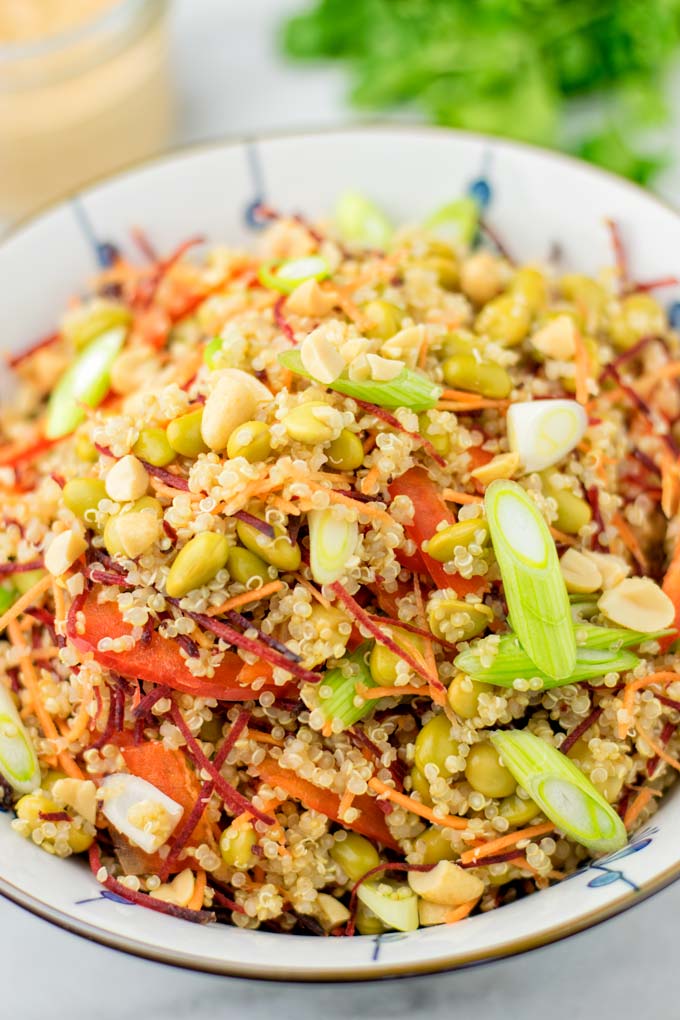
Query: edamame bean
point(148, 503)
point(153, 447)
point(441, 441)
point(460, 342)
point(85, 449)
point(573, 512)
point(279, 551)
point(197, 563)
point(244, 565)
point(366, 922)
point(445, 267)
point(518, 812)
point(463, 695)
point(530, 284)
point(24, 582)
point(385, 319)
point(437, 846)
point(420, 785)
point(251, 440)
point(184, 434)
point(236, 846)
point(454, 619)
point(637, 316)
point(506, 319)
point(346, 452)
point(465, 372)
point(484, 772)
point(307, 423)
point(587, 295)
point(383, 662)
point(442, 546)
point(356, 855)
point(83, 495)
point(434, 744)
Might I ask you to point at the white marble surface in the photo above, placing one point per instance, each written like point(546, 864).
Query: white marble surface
point(231, 81)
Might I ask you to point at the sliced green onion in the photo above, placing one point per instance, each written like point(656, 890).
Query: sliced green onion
point(394, 903)
point(532, 581)
point(18, 761)
point(332, 541)
point(287, 275)
point(457, 221)
point(409, 389)
point(212, 352)
point(343, 682)
point(8, 596)
point(588, 635)
point(561, 790)
point(86, 382)
point(543, 432)
point(359, 221)
point(511, 662)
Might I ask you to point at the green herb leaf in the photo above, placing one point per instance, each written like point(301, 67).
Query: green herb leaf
point(408, 389)
point(561, 790)
point(85, 382)
point(532, 582)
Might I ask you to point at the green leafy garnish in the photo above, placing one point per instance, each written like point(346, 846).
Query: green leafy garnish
point(532, 582)
point(561, 790)
point(514, 69)
point(409, 389)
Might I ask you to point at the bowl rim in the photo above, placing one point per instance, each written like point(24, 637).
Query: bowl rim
point(307, 974)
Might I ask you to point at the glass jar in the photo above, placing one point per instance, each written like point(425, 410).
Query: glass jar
point(83, 102)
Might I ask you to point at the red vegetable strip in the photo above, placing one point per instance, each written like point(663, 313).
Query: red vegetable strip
point(234, 800)
point(620, 255)
point(143, 899)
point(393, 422)
point(20, 568)
point(412, 629)
point(167, 477)
point(579, 730)
point(366, 621)
point(666, 734)
point(281, 321)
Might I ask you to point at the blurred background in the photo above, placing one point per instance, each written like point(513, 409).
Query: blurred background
point(88, 86)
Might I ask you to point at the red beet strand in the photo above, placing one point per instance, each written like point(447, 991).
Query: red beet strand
point(168, 478)
point(281, 321)
point(20, 568)
point(394, 423)
point(39, 345)
point(579, 730)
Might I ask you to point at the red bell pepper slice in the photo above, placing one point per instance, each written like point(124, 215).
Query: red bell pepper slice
point(430, 510)
point(160, 660)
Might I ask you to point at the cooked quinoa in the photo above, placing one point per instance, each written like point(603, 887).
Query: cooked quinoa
point(211, 556)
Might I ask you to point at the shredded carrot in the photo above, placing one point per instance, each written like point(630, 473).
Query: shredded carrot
point(670, 484)
point(321, 599)
point(561, 536)
point(662, 677)
point(327, 729)
point(345, 803)
point(415, 807)
point(658, 749)
point(363, 508)
point(479, 404)
point(263, 738)
point(81, 721)
point(196, 901)
point(437, 689)
point(373, 693)
point(646, 383)
point(286, 505)
point(458, 913)
point(463, 396)
point(246, 597)
point(582, 369)
point(32, 685)
point(27, 600)
point(45, 652)
point(453, 496)
point(629, 539)
point(368, 481)
point(495, 846)
point(637, 806)
point(369, 443)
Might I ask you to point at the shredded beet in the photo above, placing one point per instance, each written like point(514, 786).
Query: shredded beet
point(642, 287)
point(233, 800)
point(224, 901)
point(141, 239)
point(281, 321)
point(246, 644)
point(147, 289)
point(149, 700)
point(593, 497)
point(189, 646)
point(366, 621)
point(666, 735)
point(54, 816)
point(620, 256)
point(241, 621)
point(668, 701)
point(104, 450)
point(646, 461)
point(632, 352)
point(386, 866)
point(39, 345)
point(412, 629)
point(20, 568)
point(579, 730)
point(397, 768)
point(143, 899)
point(168, 478)
point(183, 834)
point(493, 236)
point(108, 578)
point(170, 531)
point(394, 423)
point(46, 618)
point(255, 522)
point(59, 479)
point(643, 407)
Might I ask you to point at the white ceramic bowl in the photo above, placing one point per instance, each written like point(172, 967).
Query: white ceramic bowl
point(536, 200)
